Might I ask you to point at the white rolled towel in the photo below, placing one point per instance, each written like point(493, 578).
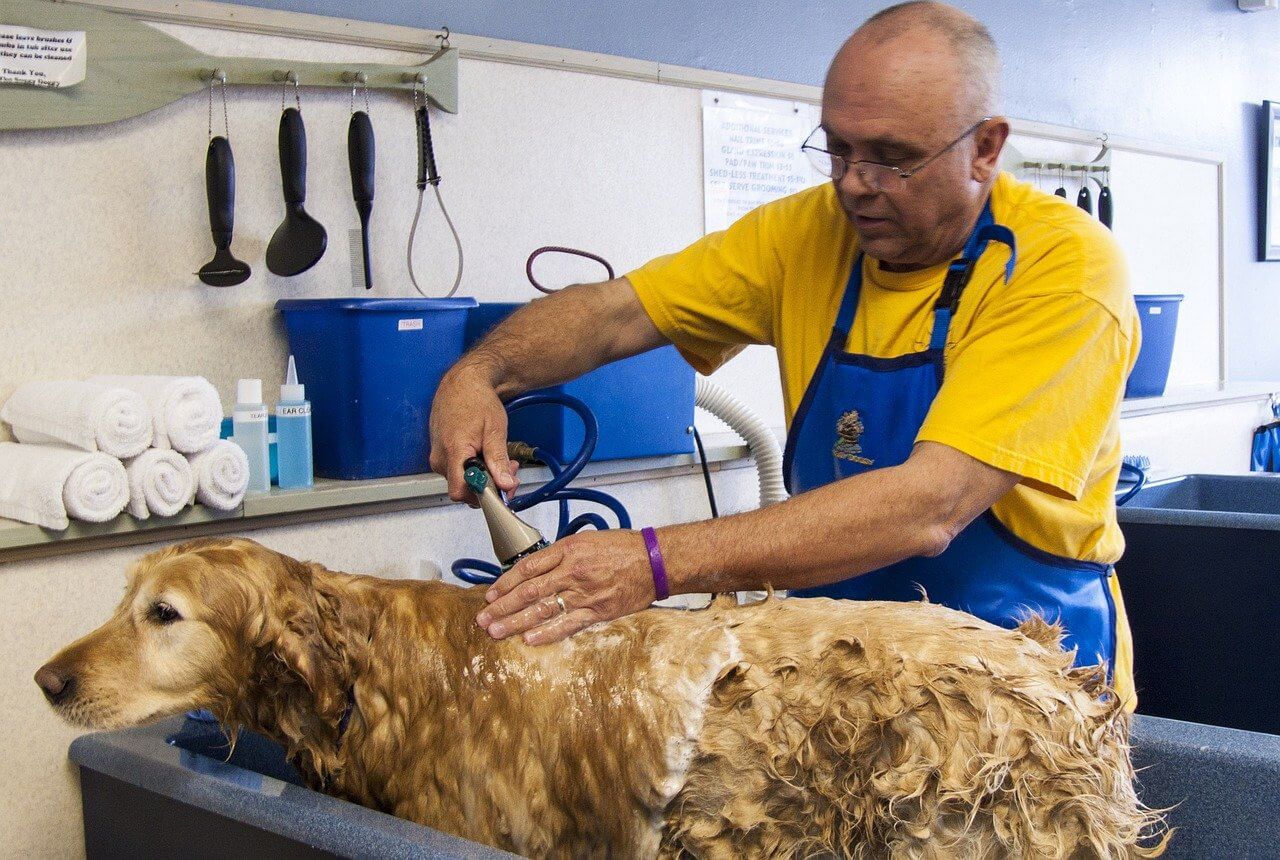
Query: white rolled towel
point(221, 475)
point(85, 415)
point(160, 483)
point(186, 410)
point(46, 484)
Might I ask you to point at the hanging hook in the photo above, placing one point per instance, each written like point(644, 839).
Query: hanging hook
point(419, 91)
point(286, 78)
point(444, 38)
point(226, 122)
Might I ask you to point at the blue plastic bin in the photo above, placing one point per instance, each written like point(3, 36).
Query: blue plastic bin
point(643, 404)
point(1159, 316)
point(371, 368)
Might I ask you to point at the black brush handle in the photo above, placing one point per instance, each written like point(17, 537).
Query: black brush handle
point(1061, 192)
point(360, 155)
point(1084, 199)
point(293, 156)
point(1105, 204)
point(427, 173)
point(220, 182)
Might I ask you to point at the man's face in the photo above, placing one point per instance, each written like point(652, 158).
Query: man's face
point(899, 103)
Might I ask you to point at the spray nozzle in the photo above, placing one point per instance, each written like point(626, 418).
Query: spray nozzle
point(292, 391)
point(512, 537)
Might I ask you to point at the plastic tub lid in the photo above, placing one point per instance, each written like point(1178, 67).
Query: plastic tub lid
point(1161, 297)
point(391, 305)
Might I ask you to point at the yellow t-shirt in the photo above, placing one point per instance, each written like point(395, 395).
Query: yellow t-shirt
point(1035, 368)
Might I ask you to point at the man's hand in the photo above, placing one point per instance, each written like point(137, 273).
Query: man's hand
point(467, 420)
point(599, 576)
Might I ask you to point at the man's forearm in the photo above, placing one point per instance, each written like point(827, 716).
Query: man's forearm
point(844, 529)
point(562, 336)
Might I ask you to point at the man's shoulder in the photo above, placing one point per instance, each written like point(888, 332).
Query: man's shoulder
point(1063, 249)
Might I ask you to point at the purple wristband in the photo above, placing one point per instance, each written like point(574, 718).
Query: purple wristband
point(656, 564)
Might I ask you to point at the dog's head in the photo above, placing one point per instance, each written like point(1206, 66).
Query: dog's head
point(216, 623)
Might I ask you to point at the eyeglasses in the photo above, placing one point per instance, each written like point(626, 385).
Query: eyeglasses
point(875, 174)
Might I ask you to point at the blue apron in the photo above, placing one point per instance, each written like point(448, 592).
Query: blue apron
point(861, 412)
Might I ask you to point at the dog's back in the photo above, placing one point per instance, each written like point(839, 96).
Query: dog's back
point(788, 728)
point(868, 729)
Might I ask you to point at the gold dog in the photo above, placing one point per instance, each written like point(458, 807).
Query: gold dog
point(787, 728)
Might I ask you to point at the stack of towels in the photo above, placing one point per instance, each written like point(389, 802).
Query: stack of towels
point(87, 450)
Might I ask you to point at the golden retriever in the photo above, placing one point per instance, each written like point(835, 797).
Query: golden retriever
point(782, 729)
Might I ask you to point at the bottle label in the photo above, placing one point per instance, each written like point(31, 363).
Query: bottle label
point(250, 416)
point(293, 411)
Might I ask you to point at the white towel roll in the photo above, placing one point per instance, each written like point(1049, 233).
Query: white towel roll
point(160, 483)
point(85, 415)
point(221, 475)
point(46, 484)
point(186, 410)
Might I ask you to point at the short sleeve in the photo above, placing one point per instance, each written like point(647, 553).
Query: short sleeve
point(1035, 383)
point(717, 295)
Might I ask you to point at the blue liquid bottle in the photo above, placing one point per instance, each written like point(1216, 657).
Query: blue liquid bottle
point(249, 431)
point(293, 433)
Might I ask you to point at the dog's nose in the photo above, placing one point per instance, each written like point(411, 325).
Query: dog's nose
point(56, 685)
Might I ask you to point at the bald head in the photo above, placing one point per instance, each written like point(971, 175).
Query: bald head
point(914, 90)
point(974, 59)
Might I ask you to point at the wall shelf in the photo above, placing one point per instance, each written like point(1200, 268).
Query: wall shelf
point(1198, 397)
point(327, 500)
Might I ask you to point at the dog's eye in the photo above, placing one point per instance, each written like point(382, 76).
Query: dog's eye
point(163, 613)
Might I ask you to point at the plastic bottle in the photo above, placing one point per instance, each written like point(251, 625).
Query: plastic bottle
point(293, 433)
point(249, 431)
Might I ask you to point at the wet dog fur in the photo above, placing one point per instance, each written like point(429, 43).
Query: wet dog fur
point(787, 728)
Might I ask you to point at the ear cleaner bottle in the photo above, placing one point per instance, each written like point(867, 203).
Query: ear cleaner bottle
point(293, 433)
point(249, 431)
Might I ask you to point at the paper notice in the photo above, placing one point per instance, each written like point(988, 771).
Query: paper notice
point(41, 58)
point(751, 153)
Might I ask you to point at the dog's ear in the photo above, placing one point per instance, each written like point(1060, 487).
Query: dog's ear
point(292, 633)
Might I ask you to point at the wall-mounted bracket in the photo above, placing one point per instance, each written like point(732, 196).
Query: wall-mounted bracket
point(134, 68)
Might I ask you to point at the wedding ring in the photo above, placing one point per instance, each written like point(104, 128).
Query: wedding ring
point(560, 603)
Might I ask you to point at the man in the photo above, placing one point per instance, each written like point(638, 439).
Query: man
point(953, 347)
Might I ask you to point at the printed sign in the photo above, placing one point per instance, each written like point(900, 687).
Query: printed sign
point(751, 153)
point(41, 58)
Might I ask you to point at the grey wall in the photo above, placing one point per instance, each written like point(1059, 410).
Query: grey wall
point(1191, 72)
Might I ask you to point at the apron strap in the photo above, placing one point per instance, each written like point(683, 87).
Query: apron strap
point(849, 304)
point(961, 269)
point(958, 275)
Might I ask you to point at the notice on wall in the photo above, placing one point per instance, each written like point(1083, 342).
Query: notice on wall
point(751, 153)
point(41, 58)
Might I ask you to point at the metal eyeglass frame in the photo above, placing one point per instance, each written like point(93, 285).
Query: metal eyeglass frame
point(863, 173)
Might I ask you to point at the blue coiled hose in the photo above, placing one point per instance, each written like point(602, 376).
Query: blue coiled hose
point(477, 571)
point(1139, 476)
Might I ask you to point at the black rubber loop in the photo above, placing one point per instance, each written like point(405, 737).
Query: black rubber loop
point(560, 249)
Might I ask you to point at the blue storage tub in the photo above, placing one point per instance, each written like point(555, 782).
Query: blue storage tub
point(1159, 317)
point(371, 368)
point(643, 404)
point(144, 798)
